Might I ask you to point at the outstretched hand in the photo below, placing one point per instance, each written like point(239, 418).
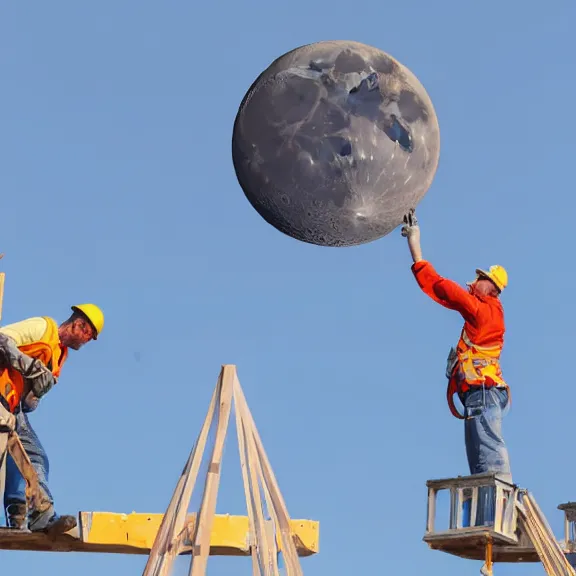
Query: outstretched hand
point(411, 230)
point(410, 224)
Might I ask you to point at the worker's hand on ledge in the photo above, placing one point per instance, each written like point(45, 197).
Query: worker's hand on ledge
point(411, 230)
point(39, 379)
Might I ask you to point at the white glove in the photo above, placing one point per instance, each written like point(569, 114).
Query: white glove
point(411, 230)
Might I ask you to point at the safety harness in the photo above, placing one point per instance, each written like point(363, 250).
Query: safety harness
point(472, 365)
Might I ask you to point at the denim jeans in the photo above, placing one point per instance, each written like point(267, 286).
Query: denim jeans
point(15, 486)
point(485, 446)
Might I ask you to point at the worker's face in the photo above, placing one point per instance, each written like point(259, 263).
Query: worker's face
point(78, 333)
point(483, 287)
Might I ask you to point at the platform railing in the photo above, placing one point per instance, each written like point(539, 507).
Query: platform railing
point(480, 503)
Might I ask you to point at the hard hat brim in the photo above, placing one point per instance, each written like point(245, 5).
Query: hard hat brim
point(485, 274)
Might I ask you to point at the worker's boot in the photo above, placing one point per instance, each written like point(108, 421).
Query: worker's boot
point(16, 516)
point(51, 522)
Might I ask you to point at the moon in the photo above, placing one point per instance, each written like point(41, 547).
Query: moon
point(335, 142)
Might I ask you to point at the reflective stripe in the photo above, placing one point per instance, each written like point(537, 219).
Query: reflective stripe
point(11, 397)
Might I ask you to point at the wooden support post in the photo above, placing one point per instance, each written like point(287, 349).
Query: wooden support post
point(474, 506)
point(258, 478)
point(165, 544)
point(36, 498)
point(203, 527)
point(2, 280)
point(431, 510)
point(278, 508)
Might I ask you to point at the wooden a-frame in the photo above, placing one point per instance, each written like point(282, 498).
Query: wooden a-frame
point(266, 537)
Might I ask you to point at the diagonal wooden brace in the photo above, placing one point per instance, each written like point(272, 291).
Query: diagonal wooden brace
point(36, 498)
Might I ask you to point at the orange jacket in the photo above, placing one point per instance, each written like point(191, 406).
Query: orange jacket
point(482, 336)
point(48, 350)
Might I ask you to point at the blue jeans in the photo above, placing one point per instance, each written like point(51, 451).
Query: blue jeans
point(15, 487)
point(485, 447)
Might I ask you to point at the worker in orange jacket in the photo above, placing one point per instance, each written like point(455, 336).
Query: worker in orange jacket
point(473, 368)
point(32, 354)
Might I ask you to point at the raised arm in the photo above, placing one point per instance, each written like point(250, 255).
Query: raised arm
point(443, 291)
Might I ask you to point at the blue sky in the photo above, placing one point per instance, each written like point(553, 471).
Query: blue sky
point(118, 188)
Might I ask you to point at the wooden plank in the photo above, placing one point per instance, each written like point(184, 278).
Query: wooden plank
point(467, 482)
point(470, 543)
point(431, 510)
point(569, 509)
point(474, 548)
point(278, 510)
point(134, 533)
point(203, 531)
point(172, 530)
point(2, 281)
point(474, 507)
point(35, 495)
point(463, 534)
point(3, 436)
point(259, 541)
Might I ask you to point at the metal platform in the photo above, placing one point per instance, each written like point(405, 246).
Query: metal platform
point(109, 532)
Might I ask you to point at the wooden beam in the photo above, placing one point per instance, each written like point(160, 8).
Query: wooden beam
point(489, 479)
point(473, 547)
point(134, 533)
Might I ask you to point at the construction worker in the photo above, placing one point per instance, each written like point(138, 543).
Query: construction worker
point(473, 368)
point(32, 353)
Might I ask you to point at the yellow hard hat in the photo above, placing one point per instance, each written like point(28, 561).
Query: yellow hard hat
point(93, 314)
point(497, 274)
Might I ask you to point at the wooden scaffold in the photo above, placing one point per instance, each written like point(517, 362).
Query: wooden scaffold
point(269, 539)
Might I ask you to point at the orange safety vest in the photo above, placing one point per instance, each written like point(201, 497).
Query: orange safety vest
point(475, 366)
point(48, 350)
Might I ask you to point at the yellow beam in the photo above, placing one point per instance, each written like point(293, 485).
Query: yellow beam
point(134, 534)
